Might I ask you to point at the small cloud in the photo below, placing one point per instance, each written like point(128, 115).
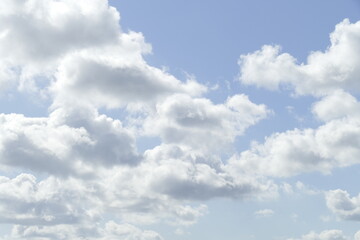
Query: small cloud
point(264, 213)
point(326, 218)
point(294, 217)
point(300, 186)
point(181, 232)
point(214, 87)
point(287, 188)
point(290, 109)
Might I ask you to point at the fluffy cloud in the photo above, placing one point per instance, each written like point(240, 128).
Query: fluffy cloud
point(200, 124)
point(336, 143)
point(36, 34)
point(79, 42)
point(42, 208)
point(344, 206)
point(66, 143)
point(325, 235)
point(41, 30)
point(183, 174)
point(331, 75)
point(324, 72)
point(164, 185)
point(88, 63)
point(25, 201)
point(111, 79)
point(337, 105)
point(89, 163)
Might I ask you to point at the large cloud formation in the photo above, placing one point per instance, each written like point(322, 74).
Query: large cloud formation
point(85, 177)
point(77, 173)
point(331, 76)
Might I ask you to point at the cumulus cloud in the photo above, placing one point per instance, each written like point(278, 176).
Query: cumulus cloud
point(25, 201)
point(66, 143)
point(80, 47)
point(324, 235)
point(41, 30)
point(344, 206)
point(36, 34)
point(200, 124)
point(337, 105)
point(335, 144)
point(42, 208)
point(336, 67)
point(330, 75)
point(183, 174)
point(89, 165)
point(113, 80)
point(89, 63)
point(168, 179)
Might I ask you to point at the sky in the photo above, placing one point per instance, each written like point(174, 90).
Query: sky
point(179, 120)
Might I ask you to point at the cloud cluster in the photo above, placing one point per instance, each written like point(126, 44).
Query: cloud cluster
point(324, 72)
point(93, 183)
point(90, 170)
point(24, 201)
point(332, 77)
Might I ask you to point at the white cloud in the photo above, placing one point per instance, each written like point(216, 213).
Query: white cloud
point(337, 105)
point(324, 235)
point(357, 236)
point(264, 213)
point(66, 143)
point(89, 63)
point(200, 124)
point(25, 201)
point(164, 185)
point(35, 34)
point(266, 68)
point(183, 174)
point(89, 161)
point(128, 232)
point(334, 144)
point(82, 44)
point(55, 26)
point(112, 79)
point(324, 72)
point(344, 206)
point(111, 231)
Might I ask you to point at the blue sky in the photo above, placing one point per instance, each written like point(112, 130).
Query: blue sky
point(179, 120)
